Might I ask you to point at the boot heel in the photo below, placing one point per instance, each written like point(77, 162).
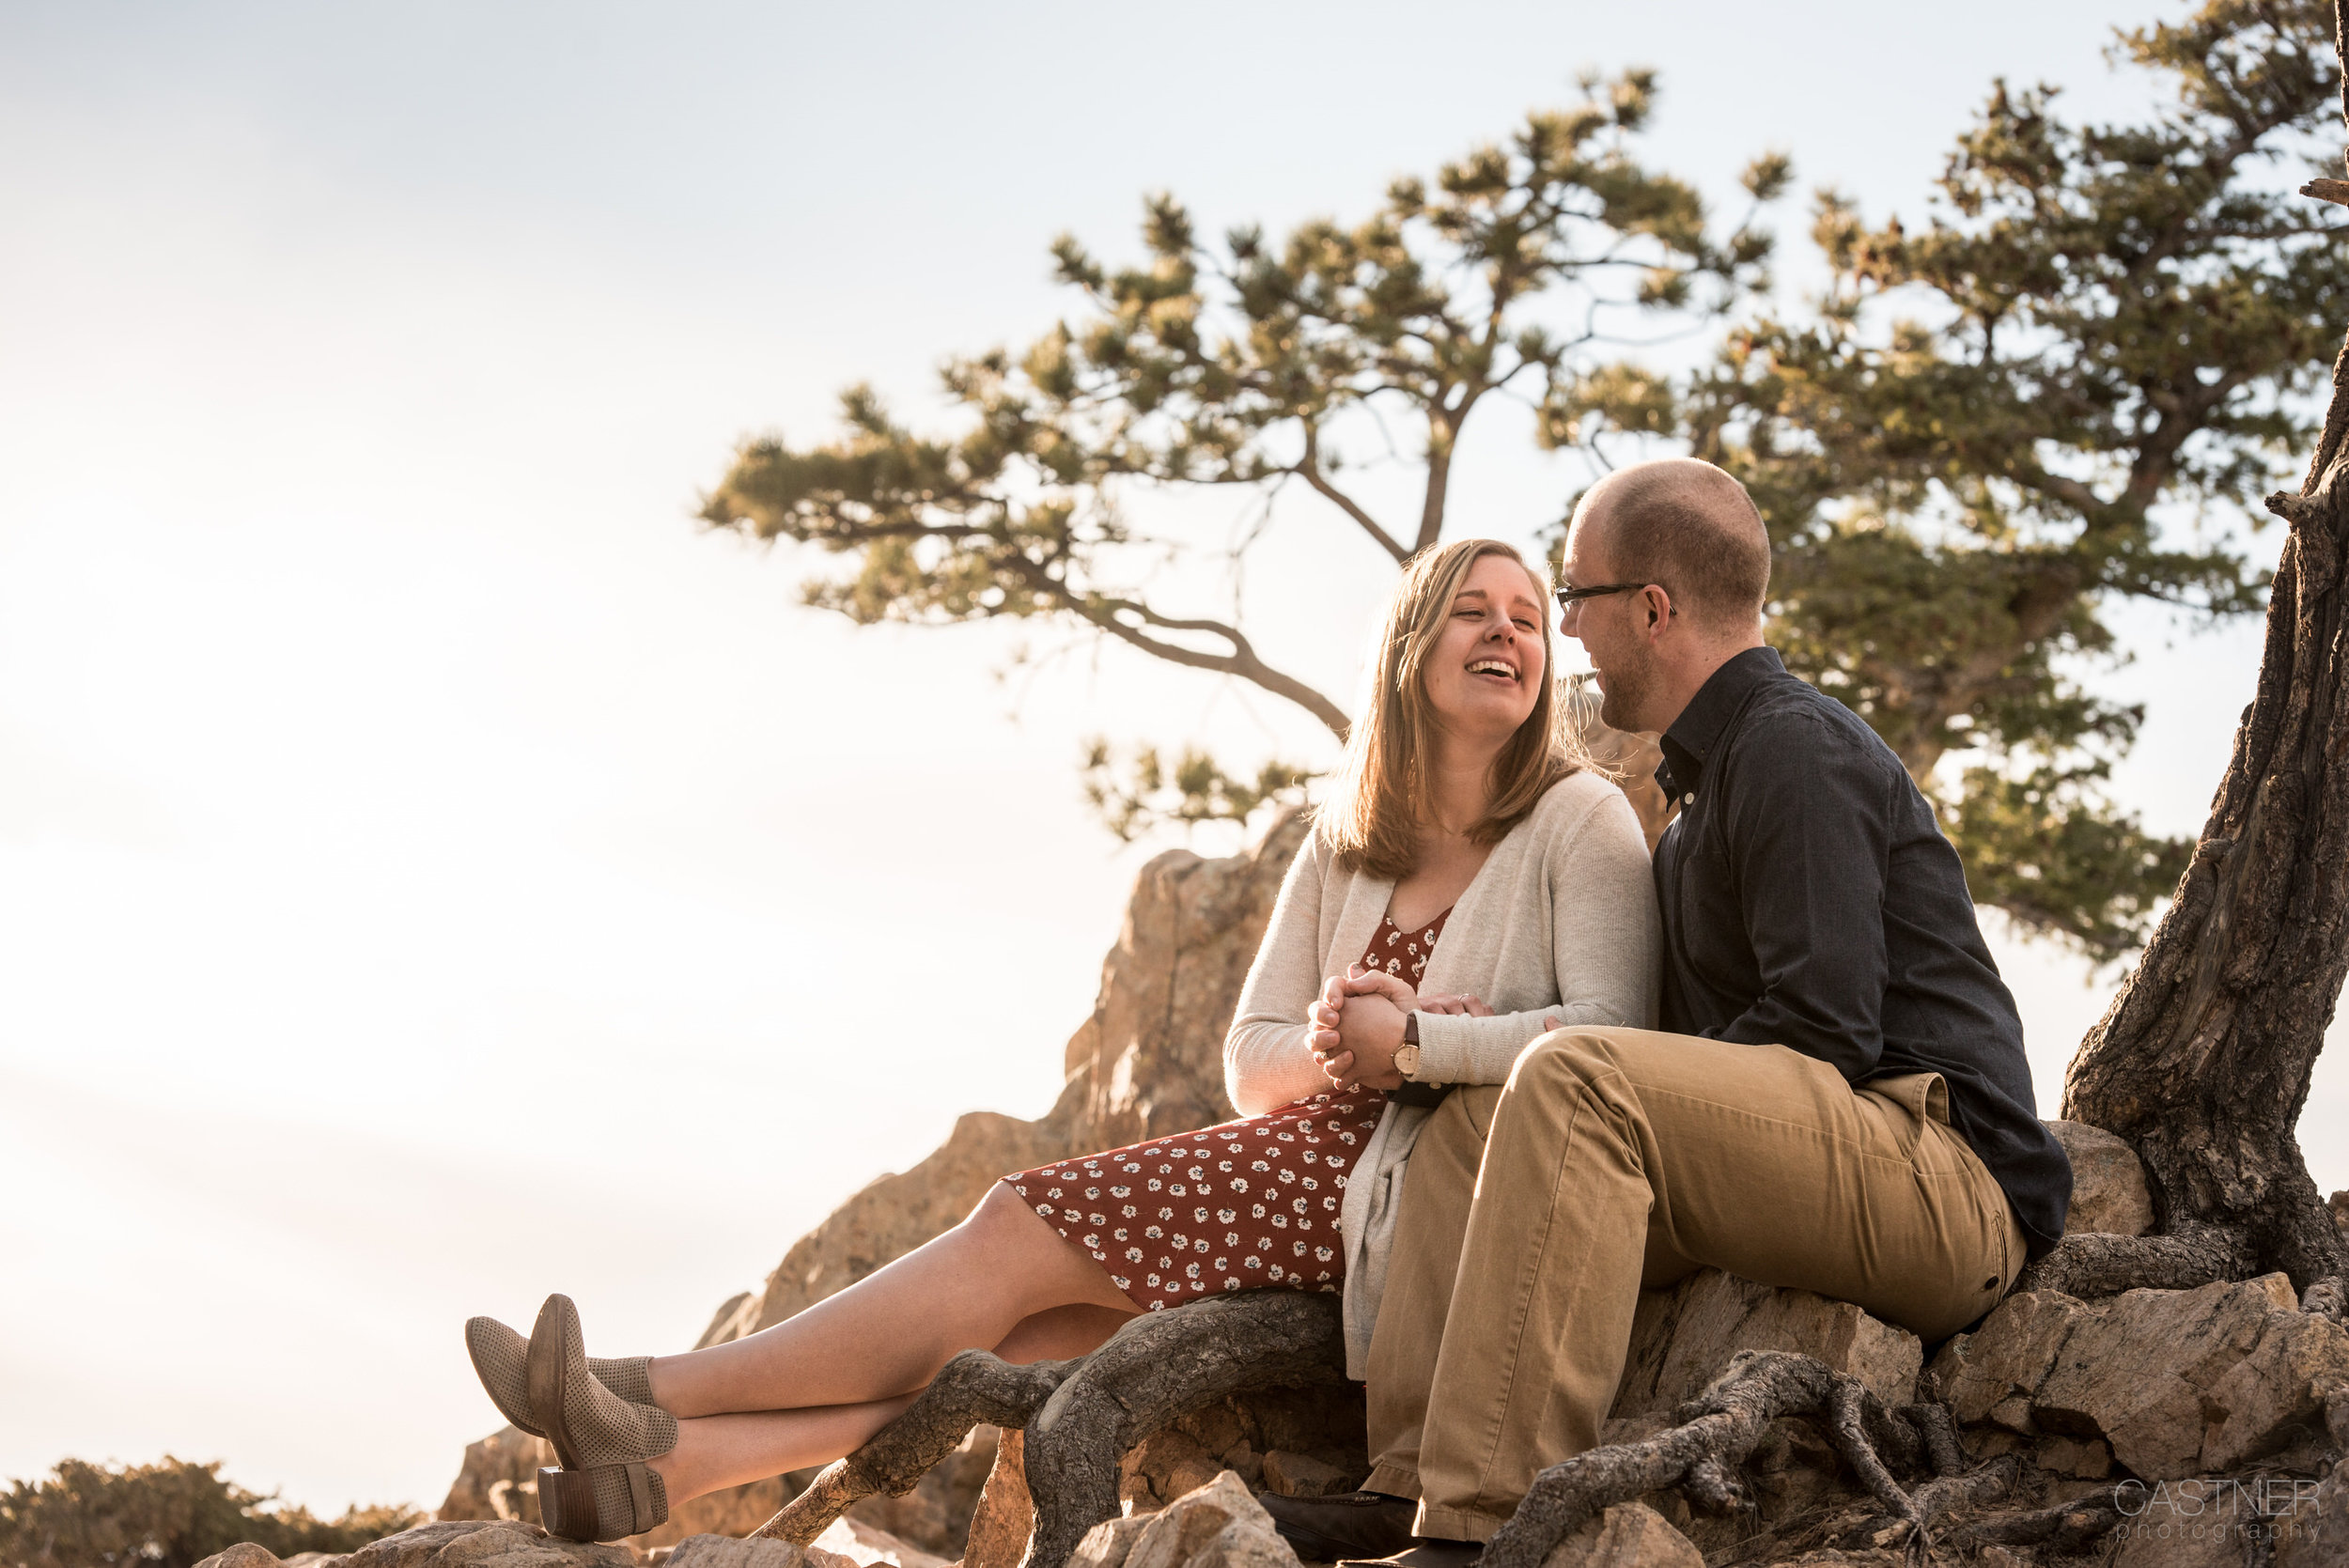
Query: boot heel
point(567, 1505)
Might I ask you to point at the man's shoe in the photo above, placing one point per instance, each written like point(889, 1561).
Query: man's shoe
point(1427, 1552)
point(1329, 1529)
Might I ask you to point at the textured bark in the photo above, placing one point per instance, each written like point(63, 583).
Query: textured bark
point(1078, 1418)
point(2202, 1061)
point(2095, 1264)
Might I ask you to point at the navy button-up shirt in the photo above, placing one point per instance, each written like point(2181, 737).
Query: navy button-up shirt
point(1809, 901)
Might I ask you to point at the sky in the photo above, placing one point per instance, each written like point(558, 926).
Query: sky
point(433, 871)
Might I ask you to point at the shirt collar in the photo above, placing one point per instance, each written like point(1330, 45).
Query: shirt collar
point(1690, 739)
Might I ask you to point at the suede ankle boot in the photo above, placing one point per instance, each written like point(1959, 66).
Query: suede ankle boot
point(589, 1425)
point(606, 1502)
point(501, 1358)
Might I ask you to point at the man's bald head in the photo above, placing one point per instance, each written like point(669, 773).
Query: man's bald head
point(1688, 526)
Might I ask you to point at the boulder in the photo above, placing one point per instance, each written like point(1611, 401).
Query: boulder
point(2175, 1381)
point(1683, 1337)
point(452, 1544)
point(869, 1546)
point(2339, 1204)
point(1629, 1536)
point(728, 1551)
point(1300, 1475)
point(1218, 1525)
point(2108, 1189)
point(1000, 1525)
point(2278, 1392)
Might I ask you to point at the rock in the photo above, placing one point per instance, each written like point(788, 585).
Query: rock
point(1683, 1337)
point(2175, 1382)
point(1628, 1535)
point(1323, 1424)
point(2134, 1369)
point(2278, 1392)
point(451, 1544)
point(2082, 1458)
point(728, 1551)
point(1300, 1475)
point(2109, 1190)
point(1107, 1544)
point(869, 1548)
point(1216, 1525)
point(244, 1554)
point(1992, 1374)
point(2339, 1204)
point(499, 1477)
point(2312, 1532)
point(1006, 1514)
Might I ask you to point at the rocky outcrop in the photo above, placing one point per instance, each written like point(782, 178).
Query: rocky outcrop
point(2174, 1383)
point(1683, 1337)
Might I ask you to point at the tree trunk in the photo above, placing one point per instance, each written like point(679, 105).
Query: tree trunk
point(2203, 1061)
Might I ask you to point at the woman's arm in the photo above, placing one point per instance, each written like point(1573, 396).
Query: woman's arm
point(1605, 943)
point(1267, 1062)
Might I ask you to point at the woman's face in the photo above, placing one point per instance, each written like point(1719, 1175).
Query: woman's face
point(1487, 669)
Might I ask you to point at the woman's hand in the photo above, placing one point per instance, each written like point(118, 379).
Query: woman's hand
point(1370, 1026)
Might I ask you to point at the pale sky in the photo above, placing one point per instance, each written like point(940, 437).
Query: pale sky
point(433, 872)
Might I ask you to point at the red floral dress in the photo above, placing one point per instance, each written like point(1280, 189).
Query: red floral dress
point(1239, 1206)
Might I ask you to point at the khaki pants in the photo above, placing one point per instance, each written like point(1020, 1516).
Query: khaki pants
point(1616, 1159)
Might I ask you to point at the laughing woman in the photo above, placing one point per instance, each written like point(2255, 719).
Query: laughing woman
point(1467, 887)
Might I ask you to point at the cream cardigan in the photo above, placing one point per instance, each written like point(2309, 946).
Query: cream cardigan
point(1560, 922)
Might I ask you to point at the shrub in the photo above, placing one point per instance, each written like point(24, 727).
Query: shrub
point(173, 1514)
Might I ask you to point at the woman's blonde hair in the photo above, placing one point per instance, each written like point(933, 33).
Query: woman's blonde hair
point(1381, 804)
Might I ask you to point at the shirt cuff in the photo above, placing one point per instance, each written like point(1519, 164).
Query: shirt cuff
point(1444, 1048)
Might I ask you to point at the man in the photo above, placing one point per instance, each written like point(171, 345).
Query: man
point(1837, 1099)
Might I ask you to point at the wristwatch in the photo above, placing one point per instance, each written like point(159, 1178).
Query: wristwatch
point(1407, 1054)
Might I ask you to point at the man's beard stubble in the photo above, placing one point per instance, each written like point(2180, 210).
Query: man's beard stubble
point(1624, 690)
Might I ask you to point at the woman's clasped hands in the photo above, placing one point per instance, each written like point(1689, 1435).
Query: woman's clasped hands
point(1355, 1026)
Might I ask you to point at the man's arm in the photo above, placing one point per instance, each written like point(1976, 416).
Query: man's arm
point(1809, 841)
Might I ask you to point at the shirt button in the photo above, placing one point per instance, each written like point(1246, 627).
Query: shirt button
point(1689, 799)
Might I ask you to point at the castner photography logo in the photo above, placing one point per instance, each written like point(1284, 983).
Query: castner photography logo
point(2192, 1510)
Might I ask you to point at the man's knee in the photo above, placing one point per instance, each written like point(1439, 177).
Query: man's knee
point(1578, 1057)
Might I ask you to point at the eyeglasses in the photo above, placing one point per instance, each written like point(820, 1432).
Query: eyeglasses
point(1569, 596)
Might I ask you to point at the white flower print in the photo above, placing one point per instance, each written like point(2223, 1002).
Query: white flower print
point(1230, 1283)
point(1121, 1191)
point(1179, 1191)
point(1224, 1217)
point(1288, 1176)
point(1199, 1216)
point(1128, 1211)
point(1256, 1210)
point(1119, 1234)
point(1093, 1192)
point(1231, 1238)
point(1277, 1273)
point(1052, 1193)
point(1309, 1157)
point(1130, 1168)
point(1197, 1172)
point(1154, 1185)
point(1296, 1248)
point(1346, 1138)
point(1070, 1215)
point(1311, 1185)
point(1323, 1253)
point(1092, 1241)
point(1153, 1234)
point(1097, 1219)
point(1191, 1271)
point(1166, 1214)
point(1044, 1209)
point(1251, 1263)
point(1224, 1166)
point(1281, 1219)
point(1120, 1284)
point(1329, 1203)
point(1288, 1138)
point(1258, 1165)
point(1302, 1205)
point(1240, 1184)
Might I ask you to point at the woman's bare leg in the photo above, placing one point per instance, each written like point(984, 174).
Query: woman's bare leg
point(887, 1335)
point(713, 1451)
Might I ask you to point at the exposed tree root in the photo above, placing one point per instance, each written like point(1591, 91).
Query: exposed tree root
point(1080, 1418)
point(973, 1387)
point(2094, 1264)
point(1722, 1427)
